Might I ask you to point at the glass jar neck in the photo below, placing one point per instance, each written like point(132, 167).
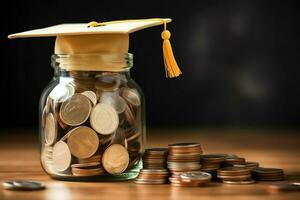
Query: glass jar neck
point(94, 62)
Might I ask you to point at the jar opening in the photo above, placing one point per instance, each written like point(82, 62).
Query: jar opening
point(114, 62)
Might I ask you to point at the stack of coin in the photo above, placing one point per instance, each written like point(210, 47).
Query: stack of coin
point(183, 157)
point(155, 158)
point(231, 161)
point(212, 162)
point(250, 165)
point(238, 175)
point(267, 174)
point(190, 179)
point(152, 176)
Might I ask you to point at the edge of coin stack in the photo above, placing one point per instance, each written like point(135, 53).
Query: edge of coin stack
point(183, 158)
point(238, 175)
point(154, 167)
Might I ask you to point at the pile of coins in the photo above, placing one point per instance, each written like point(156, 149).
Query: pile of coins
point(268, 174)
point(189, 167)
point(155, 158)
point(152, 176)
point(212, 162)
point(233, 160)
point(235, 175)
point(183, 157)
point(190, 179)
point(91, 125)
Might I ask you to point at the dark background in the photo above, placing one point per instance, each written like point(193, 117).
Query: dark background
point(239, 60)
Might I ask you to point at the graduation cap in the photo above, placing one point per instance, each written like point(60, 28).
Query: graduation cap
point(104, 37)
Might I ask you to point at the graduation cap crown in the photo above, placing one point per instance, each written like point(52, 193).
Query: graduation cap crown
point(108, 37)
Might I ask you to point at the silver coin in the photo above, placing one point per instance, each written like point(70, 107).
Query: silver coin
point(9, 185)
point(196, 175)
point(23, 185)
point(62, 92)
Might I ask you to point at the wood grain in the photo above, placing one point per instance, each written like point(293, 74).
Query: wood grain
point(19, 159)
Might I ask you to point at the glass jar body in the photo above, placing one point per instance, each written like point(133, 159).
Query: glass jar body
point(92, 126)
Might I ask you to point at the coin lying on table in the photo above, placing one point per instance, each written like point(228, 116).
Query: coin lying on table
point(50, 130)
point(75, 110)
point(104, 119)
point(115, 159)
point(285, 186)
point(23, 185)
point(61, 156)
point(83, 142)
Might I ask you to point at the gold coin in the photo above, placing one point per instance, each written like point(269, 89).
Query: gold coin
point(131, 96)
point(83, 142)
point(104, 119)
point(115, 159)
point(50, 130)
point(61, 156)
point(75, 110)
point(91, 95)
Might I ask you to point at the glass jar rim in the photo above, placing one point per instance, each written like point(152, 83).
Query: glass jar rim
point(115, 62)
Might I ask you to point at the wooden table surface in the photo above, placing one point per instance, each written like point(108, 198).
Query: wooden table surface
point(19, 159)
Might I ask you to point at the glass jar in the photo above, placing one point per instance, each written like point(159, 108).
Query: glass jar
point(92, 119)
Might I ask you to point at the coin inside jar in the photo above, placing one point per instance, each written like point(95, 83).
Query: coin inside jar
point(107, 81)
point(83, 142)
point(61, 92)
point(50, 130)
point(115, 159)
point(61, 156)
point(104, 119)
point(75, 110)
point(91, 95)
point(131, 96)
point(115, 100)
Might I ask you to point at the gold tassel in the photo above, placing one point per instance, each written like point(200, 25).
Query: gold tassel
point(171, 67)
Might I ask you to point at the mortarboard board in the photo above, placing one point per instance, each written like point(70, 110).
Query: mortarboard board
point(103, 37)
